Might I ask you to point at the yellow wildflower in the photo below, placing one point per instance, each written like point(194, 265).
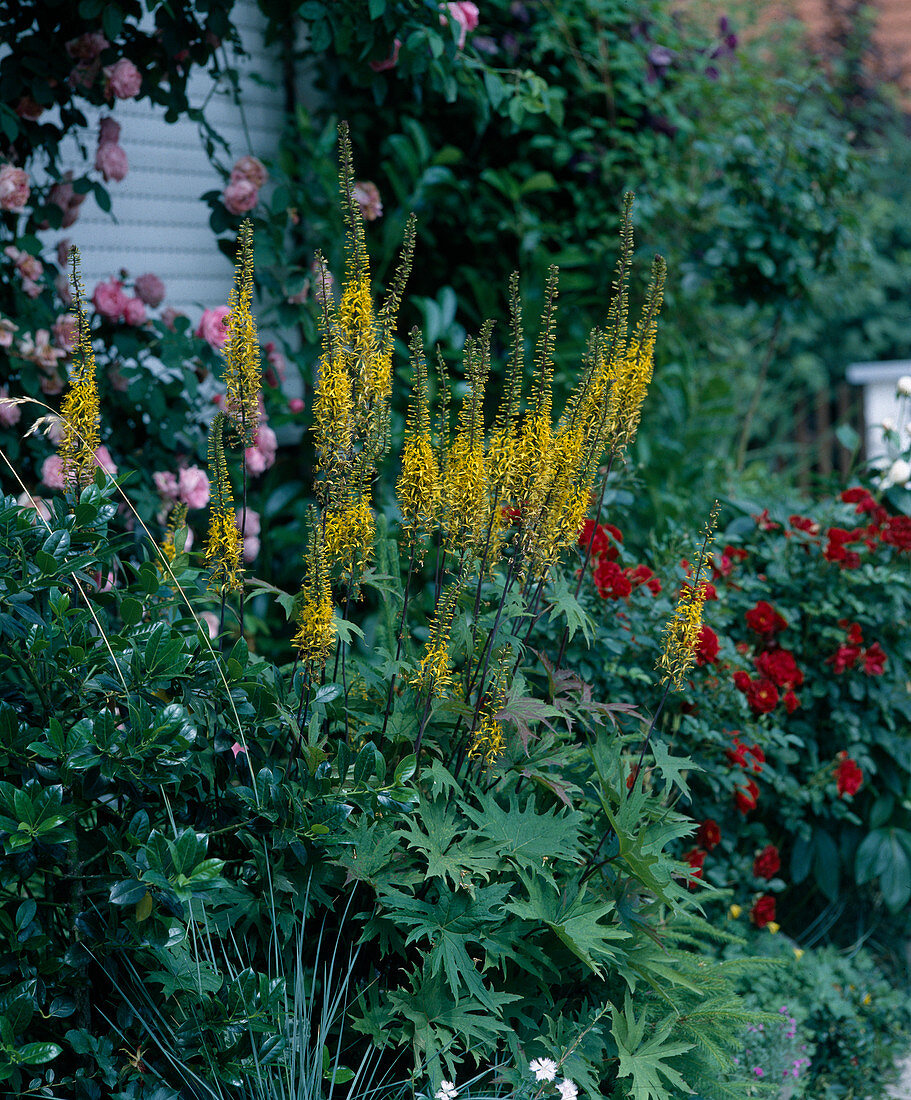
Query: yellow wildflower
point(316, 630)
point(418, 486)
point(243, 370)
point(176, 520)
point(224, 546)
point(735, 911)
point(435, 673)
point(80, 413)
point(774, 927)
point(349, 534)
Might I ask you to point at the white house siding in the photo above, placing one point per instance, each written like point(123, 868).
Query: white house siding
point(159, 223)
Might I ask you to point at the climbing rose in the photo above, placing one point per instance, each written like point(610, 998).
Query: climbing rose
point(9, 414)
point(134, 311)
point(211, 327)
point(466, 16)
point(707, 646)
point(746, 797)
point(111, 161)
point(193, 487)
point(709, 834)
point(250, 168)
point(764, 619)
point(848, 776)
point(262, 454)
point(14, 188)
point(779, 666)
point(109, 300)
point(150, 289)
point(240, 196)
point(367, 196)
point(123, 80)
point(695, 858)
point(897, 532)
point(768, 863)
point(763, 911)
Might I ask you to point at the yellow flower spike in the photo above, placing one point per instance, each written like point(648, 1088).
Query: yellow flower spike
point(176, 520)
point(316, 630)
point(224, 546)
point(681, 635)
point(80, 413)
point(487, 740)
point(418, 486)
point(735, 911)
point(349, 536)
point(243, 367)
point(435, 674)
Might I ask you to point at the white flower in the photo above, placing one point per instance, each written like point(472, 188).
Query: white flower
point(888, 424)
point(899, 472)
point(446, 1091)
point(544, 1069)
point(567, 1089)
point(903, 386)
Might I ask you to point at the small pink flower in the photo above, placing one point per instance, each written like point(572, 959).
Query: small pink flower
point(275, 373)
point(28, 266)
point(211, 327)
point(63, 195)
point(134, 311)
point(65, 332)
point(109, 300)
point(150, 289)
point(296, 405)
point(9, 414)
point(389, 62)
point(367, 196)
point(104, 460)
point(52, 472)
point(14, 188)
point(108, 132)
point(166, 484)
point(238, 749)
point(108, 583)
point(193, 487)
point(251, 548)
point(7, 331)
point(87, 47)
point(252, 169)
point(123, 80)
point(111, 161)
point(465, 15)
point(261, 455)
point(211, 621)
point(248, 522)
point(240, 196)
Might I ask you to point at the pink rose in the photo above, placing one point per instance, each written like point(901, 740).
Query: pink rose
point(211, 621)
point(109, 300)
point(251, 169)
point(212, 328)
point(166, 484)
point(466, 16)
point(367, 196)
point(150, 289)
point(296, 405)
point(111, 161)
point(251, 548)
point(123, 80)
point(87, 47)
point(389, 62)
point(63, 252)
point(261, 455)
point(9, 414)
point(52, 384)
point(134, 311)
point(28, 109)
point(65, 332)
point(104, 460)
point(52, 472)
point(7, 331)
point(240, 196)
point(14, 188)
point(63, 288)
point(108, 132)
point(169, 316)
point(193, 487)
point(248, 522)
point(63, 195)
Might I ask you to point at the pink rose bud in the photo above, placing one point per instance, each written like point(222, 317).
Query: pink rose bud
point(389, 62)
point(111, 161)
point(123, 80)
point(193, 487)
point(109, 300)
point(212, 326)
point(296, 405)
point(108, 132)
point(150, 289)
point(14, 188)
point(240, 196)
point(465, 15)
point(251, 169)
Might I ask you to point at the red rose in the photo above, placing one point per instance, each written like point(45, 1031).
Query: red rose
point(763, 911)
point(844, 657)
point(848, 776)
point(791, 702)
point(709, 591)
point(897, 532)
point(707, 646)
point(855, 495)
point(643, 575)
point(737, 755)
point(695, 858)
point(763, 522)
point(779, 666)
point(855, 634)
point(764, 619)
point(746, 797)
point(741, 680)
point(762, 695)
point(610, 580)
point(804, 523)
point(758, 758)
point(708, 835)
point(874, 660)
point(768, 863)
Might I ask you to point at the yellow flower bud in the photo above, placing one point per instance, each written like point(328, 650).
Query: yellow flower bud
point(735, 911)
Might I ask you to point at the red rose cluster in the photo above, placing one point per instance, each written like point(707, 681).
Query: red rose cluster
point(708, 836)
point(872, 658)
point(880, 527)
point(776, 666)
point(612, 581)
point(763, 911)
point(848, 776)
point(746, 795)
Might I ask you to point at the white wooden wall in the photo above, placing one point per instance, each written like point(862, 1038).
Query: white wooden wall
point(159, 223)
